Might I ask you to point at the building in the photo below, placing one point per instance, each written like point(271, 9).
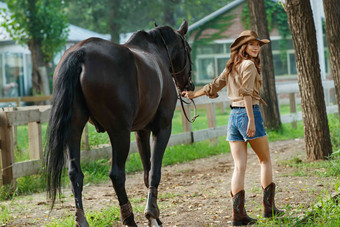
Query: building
point(212, 36)
point(16, 65)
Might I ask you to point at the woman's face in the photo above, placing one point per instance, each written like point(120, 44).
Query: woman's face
point(253, 48)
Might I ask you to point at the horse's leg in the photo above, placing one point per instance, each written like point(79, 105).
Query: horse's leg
point(160, 140)
point(79, 119)
point(143, 144)
point(120, 142)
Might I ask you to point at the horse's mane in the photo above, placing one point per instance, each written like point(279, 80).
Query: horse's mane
point(154, 36)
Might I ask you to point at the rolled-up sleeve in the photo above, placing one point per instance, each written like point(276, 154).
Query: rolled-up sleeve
point(248, 79)
point(215, 86)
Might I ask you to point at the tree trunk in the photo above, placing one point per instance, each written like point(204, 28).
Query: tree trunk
point(40, 81)
point(316, 130)
point(271, 113)
point(332, 19)
point(169, 7)
point(113, 20)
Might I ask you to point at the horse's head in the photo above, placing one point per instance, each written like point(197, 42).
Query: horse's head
point(178, 50)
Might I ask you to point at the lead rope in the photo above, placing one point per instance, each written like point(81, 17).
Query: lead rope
point(179, 96)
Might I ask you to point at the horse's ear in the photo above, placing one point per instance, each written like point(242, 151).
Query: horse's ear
point(156, 25)
point(184, 28)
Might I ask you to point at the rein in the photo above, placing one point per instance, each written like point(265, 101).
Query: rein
point(174, 74)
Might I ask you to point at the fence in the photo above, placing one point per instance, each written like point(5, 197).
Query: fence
point(34, 116)
point(18, 100)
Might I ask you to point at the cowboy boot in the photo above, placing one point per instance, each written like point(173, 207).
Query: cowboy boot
point(240, 216)
point(269, 208)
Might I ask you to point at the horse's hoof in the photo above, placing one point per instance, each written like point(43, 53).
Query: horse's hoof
point(80, 219)
point(154, 222)
point(126, 215)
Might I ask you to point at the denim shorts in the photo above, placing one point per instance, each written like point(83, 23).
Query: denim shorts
point(238, 124)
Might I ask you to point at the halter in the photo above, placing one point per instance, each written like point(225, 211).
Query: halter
point(175, 74)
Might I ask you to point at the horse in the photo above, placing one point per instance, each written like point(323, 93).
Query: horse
point(120, 89)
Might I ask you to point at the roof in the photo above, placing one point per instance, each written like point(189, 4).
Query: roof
point(215, 14)
point(76, 33)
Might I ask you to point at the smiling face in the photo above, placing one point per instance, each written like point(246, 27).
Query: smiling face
point(253, 48)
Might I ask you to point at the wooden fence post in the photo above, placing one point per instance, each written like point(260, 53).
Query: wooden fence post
point(35, 140)
point(211, 119)
point(332, 96)
point(7, 149)
point(292, 104)
point(185, 123)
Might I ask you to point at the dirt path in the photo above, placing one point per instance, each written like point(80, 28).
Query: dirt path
point(190, 194)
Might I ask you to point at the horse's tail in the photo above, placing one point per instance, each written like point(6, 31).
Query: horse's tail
point(59, 125)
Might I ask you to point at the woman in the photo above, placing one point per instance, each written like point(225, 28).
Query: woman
point(243, 81)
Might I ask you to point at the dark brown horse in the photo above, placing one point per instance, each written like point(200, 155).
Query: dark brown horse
point(120, 88)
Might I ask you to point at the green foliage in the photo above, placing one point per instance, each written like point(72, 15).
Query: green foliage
point(5, 215)
point(334, 128)
point(221, 24)
point(276, 18)
point(137, 15)
point(41, 21)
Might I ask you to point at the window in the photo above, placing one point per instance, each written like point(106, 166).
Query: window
point(14, 75)
point(221, 63)
point(1, 75)
point(327, 61)
point(206, 69)
point(280, 67)
point(210, 49)
point(28, 73)
point(275, 44)
point(292, 64)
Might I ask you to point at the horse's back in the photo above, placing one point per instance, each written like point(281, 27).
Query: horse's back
point(109, 83)
point(123, 87)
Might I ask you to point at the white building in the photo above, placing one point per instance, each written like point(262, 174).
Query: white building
point(15, 60)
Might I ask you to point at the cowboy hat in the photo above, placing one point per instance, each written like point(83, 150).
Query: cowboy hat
point(245, 37)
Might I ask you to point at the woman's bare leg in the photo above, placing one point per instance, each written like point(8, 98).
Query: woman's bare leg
point(261, 148)
point(239, 153)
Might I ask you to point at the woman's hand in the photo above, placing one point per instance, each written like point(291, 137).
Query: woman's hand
point(188, 94)
point(251, 128)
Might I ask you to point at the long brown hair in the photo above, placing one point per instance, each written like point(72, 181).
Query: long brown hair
point(237, 56)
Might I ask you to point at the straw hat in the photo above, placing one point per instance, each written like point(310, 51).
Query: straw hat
point(245, 37)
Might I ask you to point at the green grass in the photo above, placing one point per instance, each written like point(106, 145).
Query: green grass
point(321, 168)
point(5, 215)
point(106, 217)
point(324, 212)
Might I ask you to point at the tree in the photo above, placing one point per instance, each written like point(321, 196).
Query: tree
point(316, 130)
point(114, 22)
point(40, 24)
point(169, 8)
point(271, 113)
point(133, 15)
point(332, 21)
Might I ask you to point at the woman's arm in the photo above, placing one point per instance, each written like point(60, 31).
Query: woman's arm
point(209, 89)
point(193, 94)
point(251, 121)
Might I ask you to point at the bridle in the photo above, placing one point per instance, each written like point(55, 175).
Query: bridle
point(175, 75)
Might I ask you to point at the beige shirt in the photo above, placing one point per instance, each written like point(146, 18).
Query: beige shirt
point(247, 82)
